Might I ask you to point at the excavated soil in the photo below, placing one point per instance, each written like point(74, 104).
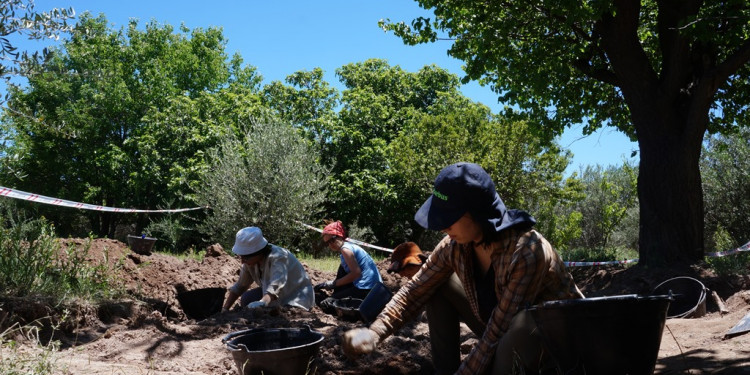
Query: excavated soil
point(149, 333)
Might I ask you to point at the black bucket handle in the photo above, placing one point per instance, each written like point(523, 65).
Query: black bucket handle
point(233, 335)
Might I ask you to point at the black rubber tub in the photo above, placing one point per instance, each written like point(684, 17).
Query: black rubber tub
point(355, 309)
point(199, 304)
point(274, 351)
point(604, 335)
point(347, 309)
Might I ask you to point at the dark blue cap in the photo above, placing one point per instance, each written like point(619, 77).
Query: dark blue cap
point(467, 187)
point(458, 188)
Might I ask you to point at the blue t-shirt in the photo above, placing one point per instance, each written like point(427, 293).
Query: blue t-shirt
point(370, 275)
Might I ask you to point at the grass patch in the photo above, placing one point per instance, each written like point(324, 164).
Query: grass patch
point(325, 264)
point(191, 253)
point(331, 261)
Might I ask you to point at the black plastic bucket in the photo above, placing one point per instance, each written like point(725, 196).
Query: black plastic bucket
point(603, 335)
point(274, 351)
point(347, 308)
point(141, 244)
point(199, 304)
point(689, 297)
point(374, 303)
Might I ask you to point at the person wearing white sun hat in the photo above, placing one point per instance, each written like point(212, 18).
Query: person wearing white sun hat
point(281, 278)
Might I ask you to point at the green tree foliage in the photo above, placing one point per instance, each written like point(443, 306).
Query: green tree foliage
point(307, 101)
point(664, 72)
point(609, 200)
point(19, 17)
point(123, 118)
point(267, 177)
point(725, 165)
point(378, 102)
point(397, 129)
point(527, 172)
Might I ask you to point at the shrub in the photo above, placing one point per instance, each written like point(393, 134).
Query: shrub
point(32, 261)
point(730, 264)
point(267, 177)
point(725, 172)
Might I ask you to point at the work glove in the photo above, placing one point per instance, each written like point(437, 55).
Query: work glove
point(360, 341)
point(256, 304)
point(325, 285)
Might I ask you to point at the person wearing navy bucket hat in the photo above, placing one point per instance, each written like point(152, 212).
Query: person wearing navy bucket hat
point(490, 266)
point(281, 278)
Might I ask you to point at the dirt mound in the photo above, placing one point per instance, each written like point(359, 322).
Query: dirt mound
point(149, 332)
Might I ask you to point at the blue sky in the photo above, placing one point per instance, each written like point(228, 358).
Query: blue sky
point(281, 37)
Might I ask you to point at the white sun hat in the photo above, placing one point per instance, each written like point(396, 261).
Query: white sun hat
point(249, 241)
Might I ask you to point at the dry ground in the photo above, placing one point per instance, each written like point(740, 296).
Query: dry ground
point(149, 333)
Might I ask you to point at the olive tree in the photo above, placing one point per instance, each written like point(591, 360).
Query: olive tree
point(266, 176)
point(19, 17)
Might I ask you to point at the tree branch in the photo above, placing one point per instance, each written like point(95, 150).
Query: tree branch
point(603, 75)
point(729, 66)
point(629, 61)
point(676, 69)
point(710, 82)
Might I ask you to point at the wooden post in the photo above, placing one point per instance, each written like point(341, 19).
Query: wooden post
point(719, 302)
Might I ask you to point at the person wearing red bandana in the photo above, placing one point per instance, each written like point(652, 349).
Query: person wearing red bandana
point(357, 273)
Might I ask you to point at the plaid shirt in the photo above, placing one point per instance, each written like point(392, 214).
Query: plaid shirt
point(527, 271)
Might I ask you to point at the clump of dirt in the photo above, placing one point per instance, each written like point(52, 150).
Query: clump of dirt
point(148, 332)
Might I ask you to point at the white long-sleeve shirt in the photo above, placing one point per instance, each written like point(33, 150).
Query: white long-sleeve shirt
point(280, 275)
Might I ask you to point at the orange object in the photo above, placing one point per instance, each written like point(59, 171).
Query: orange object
point(406, 259)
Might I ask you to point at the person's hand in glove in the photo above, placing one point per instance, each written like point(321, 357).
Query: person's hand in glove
point(360, 341)
point(256, 304)
point(325, 285)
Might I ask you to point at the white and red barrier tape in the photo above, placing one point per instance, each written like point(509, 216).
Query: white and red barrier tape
point(349, 239)
point(567, 264)
point(606, 263)
point(745, 247)
point(17, 194)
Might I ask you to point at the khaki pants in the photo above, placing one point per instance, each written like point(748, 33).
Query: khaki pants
point(520, 347)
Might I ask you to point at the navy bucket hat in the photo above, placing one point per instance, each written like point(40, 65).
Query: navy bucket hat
point(467, 187)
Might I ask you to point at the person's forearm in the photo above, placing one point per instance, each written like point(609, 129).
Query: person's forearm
point(268, 298)
point(349, 278)
point(230, 300)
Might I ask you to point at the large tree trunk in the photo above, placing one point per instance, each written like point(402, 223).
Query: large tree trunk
point(669, 109)
point(671, 198)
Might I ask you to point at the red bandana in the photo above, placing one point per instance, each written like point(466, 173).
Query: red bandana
point(336, 228)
